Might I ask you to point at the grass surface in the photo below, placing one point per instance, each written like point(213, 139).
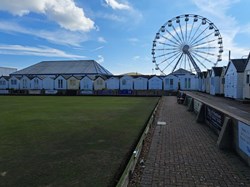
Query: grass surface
point(67, 141)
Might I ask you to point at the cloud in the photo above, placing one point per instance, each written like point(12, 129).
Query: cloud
point(217, 11)
point(100, 59)
point(101, 40)
point(117, 6)
point(62, 37)
point(36, 51)
point(135, 58)
point(97, 49)
point(64, 12)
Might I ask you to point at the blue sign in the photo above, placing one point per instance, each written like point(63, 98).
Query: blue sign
point(244, 137)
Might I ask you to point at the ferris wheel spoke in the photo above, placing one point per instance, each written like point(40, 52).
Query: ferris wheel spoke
point(177, 33)
point(178, 41)
point(204, 43)
point(181, 32)
point(177, 62)
point(203, 57)
point(195, 32)
point(198, 35)
point(199, 61)
point(207, 53)
point(186, 33)
point(167, 44)
point(165, 54)
point(190, 32)
point(168, 49)
point(202, 38)
point(177, 56)
point(170, 40)
point(205, 47)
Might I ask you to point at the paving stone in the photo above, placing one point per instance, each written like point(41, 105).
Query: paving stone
point(184, 153)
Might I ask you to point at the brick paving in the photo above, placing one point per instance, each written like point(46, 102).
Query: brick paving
point(184, 153)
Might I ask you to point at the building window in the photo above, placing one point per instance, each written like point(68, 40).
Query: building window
point(171, 82)
point(72, 82)
point(248, 79)
point(36, 83)
point(60, 83)
point(99, 82)
point(223, 80)
point(123, 82)
point(13, 82)
point(2, 83)
point(24, 83)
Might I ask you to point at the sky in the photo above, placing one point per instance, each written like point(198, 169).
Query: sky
point(118, 34)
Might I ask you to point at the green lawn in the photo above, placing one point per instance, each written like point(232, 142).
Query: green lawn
point(68, 141)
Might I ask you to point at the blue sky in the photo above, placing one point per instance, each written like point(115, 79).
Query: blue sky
point(116, 33)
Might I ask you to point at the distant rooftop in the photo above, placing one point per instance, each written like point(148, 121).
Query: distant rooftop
point(5, 71)
point(73, 67)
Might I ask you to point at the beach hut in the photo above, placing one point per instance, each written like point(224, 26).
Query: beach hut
point(155, 83)
point(36, 83)
point(216, 80)
point(25, 83)
point(73, 83)
point(186, 79)
point(4, 82)
point(199, 77)
point(61, 82)
point(14, 83)
point(140, 83)
point(99, 83)
point(234, 78)
point(246, 81)
point(86, 83)
point(126, 82)
point(113, 83)
point(48, 83)
point(170, 82)
point(208, 80)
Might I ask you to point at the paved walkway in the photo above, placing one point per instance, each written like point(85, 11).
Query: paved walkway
point(184, 153)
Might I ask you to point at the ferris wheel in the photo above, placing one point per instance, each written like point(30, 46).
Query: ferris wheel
point(190, 42)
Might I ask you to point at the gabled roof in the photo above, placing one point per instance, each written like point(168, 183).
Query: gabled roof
point(217, 71)
point(73, 67)
point(239, 64)
point(5, 77)
point(181, 72)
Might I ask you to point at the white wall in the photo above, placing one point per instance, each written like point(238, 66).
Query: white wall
point(113, 83)
point(141, 83)
point(86, 83)
point(48, 83)
point(126, 83)
point(155, 83)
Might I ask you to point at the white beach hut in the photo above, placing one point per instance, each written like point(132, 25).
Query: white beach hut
point(234, 78)
point(36, 83)
point(86, 83)
point(126, 82)
point(14, 83)
point(4, 82)
point(155, 83)
point(216, 81)
point(140, 83)
point(170, 82)
point(25, 83)
point(99, 83)
point(246, 81)
point(48, 83)
point(60, 83)
point(113, 83)
point(73, 83)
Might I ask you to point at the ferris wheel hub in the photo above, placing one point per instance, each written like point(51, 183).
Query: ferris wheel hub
point(185, 49)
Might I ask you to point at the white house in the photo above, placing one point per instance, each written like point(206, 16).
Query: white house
point(155, 83)
point(140, 83)
point(60, 83)
point(36, 83)
point(126, 82)
point(113, 83)
point(234, 78)
point(14, 83)
point(246, 81)
point(216, 80)
point(4, 82)
point(99, 83)
point(86, 83)
point(25, 83)
point(170, 82)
